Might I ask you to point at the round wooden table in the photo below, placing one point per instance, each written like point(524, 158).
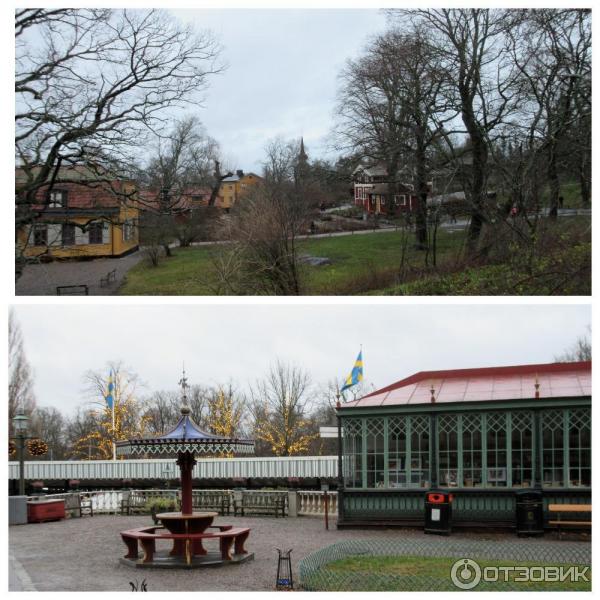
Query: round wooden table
point(177, 522)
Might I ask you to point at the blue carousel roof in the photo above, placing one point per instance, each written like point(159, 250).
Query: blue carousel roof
point(186, 436)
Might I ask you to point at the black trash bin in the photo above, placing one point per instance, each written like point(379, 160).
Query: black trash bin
point(530, 512)
point(438, 512)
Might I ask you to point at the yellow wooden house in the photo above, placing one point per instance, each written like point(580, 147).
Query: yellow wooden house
point(234, 187)
point(82, 220)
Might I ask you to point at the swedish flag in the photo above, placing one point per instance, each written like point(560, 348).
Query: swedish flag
point(357, 373)
point(109, 393)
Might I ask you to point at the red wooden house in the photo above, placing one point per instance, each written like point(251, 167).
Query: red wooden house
point(372, 194)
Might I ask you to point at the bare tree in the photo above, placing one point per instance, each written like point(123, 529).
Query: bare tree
point(263, 229)
point(580, 350)
point(471, 44)
point(50, 425)
point(20, 377)
point(393, 107)
point(90, 84)
point(180, 164)
point(280, 406)
point(552, 49)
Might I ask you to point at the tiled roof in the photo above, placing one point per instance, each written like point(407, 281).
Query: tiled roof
point(556, 380)
point(85, 196)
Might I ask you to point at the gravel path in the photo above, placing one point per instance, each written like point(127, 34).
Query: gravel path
point(42, 279)
point(83, 554)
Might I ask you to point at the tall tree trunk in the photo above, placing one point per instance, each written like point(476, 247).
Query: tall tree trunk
point(553, 182)
point(478, 179)
point(585, 181)
point(421, 181)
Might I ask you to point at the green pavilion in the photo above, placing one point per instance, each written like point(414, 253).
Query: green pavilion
point(482, 434)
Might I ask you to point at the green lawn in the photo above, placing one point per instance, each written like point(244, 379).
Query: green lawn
point(189, 271)
point(405, 573)
point(374, 263)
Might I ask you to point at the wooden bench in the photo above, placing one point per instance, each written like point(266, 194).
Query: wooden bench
point(570, 509)
point(212, 501)
point(252, 503)
point(110, 276)
point(229, 538)
point(76, 503)
point(133, 504)
point(72, 290)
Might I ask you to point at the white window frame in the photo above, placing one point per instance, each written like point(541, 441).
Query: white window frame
point(53, 202)
point(400, 199)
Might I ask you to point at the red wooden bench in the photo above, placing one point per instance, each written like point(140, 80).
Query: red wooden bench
point(228, 536)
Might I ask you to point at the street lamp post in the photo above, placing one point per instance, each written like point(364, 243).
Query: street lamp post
point(20, 423)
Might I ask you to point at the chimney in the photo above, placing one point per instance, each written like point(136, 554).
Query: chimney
point(240, 173)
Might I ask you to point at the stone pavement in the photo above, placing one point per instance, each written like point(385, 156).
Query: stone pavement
point(42, 279)
point(82, 554)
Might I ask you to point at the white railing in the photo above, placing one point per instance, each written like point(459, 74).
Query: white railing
point(310, 503)
point(313, 502)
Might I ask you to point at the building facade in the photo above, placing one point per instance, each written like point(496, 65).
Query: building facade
point(371, 192)
point(482, 434)
point(82, 219)
point(234, 187)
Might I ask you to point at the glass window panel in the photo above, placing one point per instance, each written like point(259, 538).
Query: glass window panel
point(496, 450)
point(352, 453)
point(397, 456)
point(418, 469)
point(579, 447)
point(522, 449)
point(471, 451)
point(375, 452)
point(448, 450)
point(552, 448)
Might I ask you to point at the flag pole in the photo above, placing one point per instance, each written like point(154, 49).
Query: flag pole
point(113, 421)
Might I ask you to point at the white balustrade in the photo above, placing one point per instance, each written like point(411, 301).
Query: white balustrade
point(312, 502)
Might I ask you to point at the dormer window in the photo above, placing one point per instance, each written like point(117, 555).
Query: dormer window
point(57, 199)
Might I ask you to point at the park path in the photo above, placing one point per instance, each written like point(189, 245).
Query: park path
point(42, 279)
point(82, 554)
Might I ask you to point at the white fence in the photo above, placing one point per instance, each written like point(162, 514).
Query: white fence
point(308, 503)
point(269, 467)
point(312, 503)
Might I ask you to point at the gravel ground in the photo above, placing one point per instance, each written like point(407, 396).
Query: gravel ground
point(83, 554)
point(42, 279)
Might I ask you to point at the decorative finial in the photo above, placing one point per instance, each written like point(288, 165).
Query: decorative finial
point(185, 409)
point(432, 390)
point(537, 387)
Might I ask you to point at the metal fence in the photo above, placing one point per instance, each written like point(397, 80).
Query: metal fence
point(424, 565)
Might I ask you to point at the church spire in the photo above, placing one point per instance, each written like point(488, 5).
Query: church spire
point(302, 156)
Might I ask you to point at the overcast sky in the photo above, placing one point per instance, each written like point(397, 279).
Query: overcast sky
point(282, 75)
point(238, 342)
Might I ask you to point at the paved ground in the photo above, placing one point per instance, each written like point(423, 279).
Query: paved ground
point(83, 554)
point(42, 279)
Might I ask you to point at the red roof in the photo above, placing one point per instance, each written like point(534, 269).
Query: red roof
point(189, 198)
point(556, 380)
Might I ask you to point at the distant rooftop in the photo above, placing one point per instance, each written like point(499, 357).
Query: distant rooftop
point(556, 380)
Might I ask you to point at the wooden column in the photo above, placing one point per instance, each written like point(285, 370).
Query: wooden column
point(186, 463)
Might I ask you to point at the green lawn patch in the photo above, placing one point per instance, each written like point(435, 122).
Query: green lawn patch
point(387, 263)
point(421, 573)
point(354, 258)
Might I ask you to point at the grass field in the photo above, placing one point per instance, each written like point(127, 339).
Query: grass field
point(386, 263)
point(418, 573)
point(189, 271)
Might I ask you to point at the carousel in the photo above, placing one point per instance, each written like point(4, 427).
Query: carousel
point(192, 538)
